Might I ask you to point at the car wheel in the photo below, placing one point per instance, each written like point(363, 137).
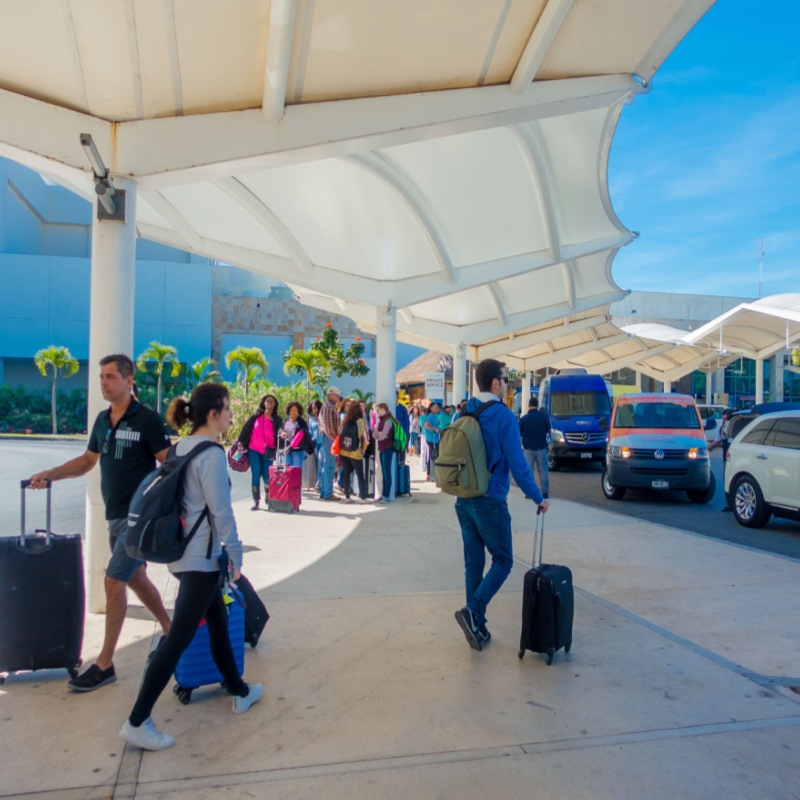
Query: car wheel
point(749, 507)
point(703, 495)
point(609, 490)
point(552, 462)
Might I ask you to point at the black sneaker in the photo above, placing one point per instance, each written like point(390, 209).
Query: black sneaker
point(92, 679)
point(467, 622)
point(484, 635)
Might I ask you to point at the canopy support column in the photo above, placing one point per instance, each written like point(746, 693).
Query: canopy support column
point(709, 395)
point(638, 379)
point(459, 374)
point(110, 331)
point(667, 387)
point(385, 374)
point(759, 380)
point(526, 393)
point(776, 378)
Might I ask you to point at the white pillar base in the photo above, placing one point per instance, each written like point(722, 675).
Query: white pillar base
point(459, 374)
point(759, 380)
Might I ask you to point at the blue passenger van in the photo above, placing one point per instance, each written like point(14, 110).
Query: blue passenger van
point(579, 407)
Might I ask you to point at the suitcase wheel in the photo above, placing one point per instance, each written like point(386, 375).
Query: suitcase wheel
point(2, 679)
point(521, 654)
point(549, 659)
point(73, 672)
point(184, 695)
point(567, 647)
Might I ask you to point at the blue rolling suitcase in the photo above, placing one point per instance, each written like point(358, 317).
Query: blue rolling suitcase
point(196, 667)
point(403, 480)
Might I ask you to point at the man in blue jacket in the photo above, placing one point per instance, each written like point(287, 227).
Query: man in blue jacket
point(485, 521)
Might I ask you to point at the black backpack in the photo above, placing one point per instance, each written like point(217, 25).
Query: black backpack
point(348, 437)
point(156, 530)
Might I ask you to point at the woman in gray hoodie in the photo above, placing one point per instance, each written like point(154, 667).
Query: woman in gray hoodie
point(206, 486)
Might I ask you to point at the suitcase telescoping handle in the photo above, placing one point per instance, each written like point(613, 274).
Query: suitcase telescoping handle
point(538, 534)
point(26, 485)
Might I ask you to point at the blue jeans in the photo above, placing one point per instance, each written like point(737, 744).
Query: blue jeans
point(485, 525)
point(387, 457)
point(259, 467)
point(538, 459)
point(295, 458)
point(319, 460)
point(327, 466)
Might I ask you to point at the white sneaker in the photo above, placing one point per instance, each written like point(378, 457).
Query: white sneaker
point(146, 736)
point(241, 704)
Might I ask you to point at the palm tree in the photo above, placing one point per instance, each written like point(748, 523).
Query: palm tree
point(311, 362)
point(60, 360)
point(162, 354)
point(202, 371)
point(365, 397)
point(246, 358)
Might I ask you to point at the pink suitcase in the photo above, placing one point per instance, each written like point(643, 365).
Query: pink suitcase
point(285, 489)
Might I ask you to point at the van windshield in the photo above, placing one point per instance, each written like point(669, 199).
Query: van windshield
point(656, 415)
point(580, 404)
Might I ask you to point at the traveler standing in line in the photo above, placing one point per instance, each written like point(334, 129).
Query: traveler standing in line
point(328, 431)
point(423, 443)
point(295, 433)
point(127, 439)
point(207, 491)
point(445, 418)
point(401, 415)
point(485, 521)
point(384, 435)
point(415, 428)
point(260, 436)
point(432, 436)
point(311, 464)
point(534, 428)
point(354, 440)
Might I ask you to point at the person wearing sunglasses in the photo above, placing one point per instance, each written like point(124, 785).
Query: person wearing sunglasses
point(484, 520)
point(127, 439)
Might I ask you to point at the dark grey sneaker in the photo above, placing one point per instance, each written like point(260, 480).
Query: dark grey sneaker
point(467, 622)
point(92, 679)
point(484, 635)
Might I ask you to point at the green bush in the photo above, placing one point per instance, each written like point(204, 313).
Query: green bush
point(24, 410)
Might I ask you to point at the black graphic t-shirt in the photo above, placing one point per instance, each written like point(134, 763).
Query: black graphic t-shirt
point(127, 453)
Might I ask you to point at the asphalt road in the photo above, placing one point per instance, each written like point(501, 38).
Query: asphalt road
point(20, 459)
point(582, 484)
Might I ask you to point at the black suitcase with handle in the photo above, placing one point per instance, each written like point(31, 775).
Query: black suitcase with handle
point(255, 612)
point(548, 604)
point(41, 599)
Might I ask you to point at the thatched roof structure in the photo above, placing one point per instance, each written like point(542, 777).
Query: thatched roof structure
point(432, 361)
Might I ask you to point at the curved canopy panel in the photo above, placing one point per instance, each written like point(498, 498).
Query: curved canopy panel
point(756, 330)
point(448, 159)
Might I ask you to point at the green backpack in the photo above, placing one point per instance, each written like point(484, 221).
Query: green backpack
point(461, 466)
point(400, 441)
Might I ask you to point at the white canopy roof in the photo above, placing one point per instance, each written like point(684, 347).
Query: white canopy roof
point(445, 158)
point(756, 330)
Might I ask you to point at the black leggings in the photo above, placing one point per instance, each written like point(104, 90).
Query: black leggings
point(199, 595)
point(350, 465)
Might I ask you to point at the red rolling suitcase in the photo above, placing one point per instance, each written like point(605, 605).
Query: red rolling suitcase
point(285, 486)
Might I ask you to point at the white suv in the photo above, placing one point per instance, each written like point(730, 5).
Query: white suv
point(762, 473)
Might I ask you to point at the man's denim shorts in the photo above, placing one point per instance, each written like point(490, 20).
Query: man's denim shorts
point(121, 566)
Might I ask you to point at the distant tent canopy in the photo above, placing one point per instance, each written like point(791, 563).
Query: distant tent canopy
point(412, 376)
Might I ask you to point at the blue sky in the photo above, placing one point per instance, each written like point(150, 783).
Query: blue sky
point(709, 160)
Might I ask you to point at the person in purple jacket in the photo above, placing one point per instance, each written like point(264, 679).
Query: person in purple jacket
point(485, 521)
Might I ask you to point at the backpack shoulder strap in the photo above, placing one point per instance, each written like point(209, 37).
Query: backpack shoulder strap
point(478, 411)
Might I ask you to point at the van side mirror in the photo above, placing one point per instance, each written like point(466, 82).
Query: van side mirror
point(710, 424)
point(603, 423)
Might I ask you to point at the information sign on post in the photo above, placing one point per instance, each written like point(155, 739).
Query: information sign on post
point(434, 386)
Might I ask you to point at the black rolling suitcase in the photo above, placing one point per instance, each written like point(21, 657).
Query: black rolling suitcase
point(255, 612)
point(41, 600)
point(548, 604)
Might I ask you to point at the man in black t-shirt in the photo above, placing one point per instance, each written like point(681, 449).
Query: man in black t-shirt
point(127, 439)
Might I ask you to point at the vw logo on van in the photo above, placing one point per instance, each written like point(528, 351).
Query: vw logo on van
point(659, 455)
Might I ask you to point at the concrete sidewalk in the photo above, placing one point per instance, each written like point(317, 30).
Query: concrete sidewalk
point(678, 684)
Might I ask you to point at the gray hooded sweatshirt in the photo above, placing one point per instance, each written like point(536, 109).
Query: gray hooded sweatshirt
point(207, 484)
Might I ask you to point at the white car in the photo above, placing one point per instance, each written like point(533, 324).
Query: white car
point(762, 472)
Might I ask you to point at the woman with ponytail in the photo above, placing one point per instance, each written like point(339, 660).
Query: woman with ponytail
point(207, 493)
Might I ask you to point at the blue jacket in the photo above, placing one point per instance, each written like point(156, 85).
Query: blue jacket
point(504, 454)
point(401, 415)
